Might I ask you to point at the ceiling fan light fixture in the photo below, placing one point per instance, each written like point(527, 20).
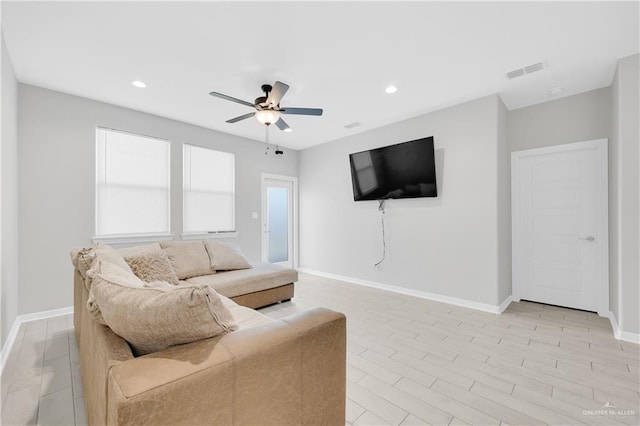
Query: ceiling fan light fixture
point(267, 116)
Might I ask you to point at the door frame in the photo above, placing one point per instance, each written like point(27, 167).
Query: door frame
point(294, 225)
point(602, 231)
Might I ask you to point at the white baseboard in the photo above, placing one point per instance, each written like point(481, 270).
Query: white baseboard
point(494, 309)
point(622, 335)
point(505, 304)
point(8, 344)
point(21, 319)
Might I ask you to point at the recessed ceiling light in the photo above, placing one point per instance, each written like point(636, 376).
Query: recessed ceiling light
point(139, 84)
point(288, 130)
point(391, 89)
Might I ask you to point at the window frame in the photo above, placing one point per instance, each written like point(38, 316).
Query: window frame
point(192, 235)
point(139, 237)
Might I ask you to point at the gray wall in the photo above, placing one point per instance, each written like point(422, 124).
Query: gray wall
point(447, 245)
point(9, 197)
point(57, 177)
point(625, 205)
point(572, 119)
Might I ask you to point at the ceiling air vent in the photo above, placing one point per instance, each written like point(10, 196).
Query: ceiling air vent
point(352, 125)
point(525, 70)
point(515, 73)
point(533, 68)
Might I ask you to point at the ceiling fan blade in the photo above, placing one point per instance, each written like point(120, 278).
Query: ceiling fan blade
point(302, 111)
point(231, 98)
point(242, 117)
point(282, 125)
point(277, 92)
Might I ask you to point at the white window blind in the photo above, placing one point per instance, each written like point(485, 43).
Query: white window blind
point(132, 184)
point(208, 190)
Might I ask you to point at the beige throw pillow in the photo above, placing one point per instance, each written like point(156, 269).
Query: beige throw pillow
point(153, 265)
point(188, 258)
point(226, 256)
point(117, 275)
point(155, 316)
point(109, 254)
point(84, 259)
point(138, 250)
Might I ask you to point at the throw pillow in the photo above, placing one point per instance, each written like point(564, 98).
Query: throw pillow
point(188, 258)
point(155, 316)
point(226, 256)
point(84, 259)
point(109, 254)
point(116, 275)
point(153, 266)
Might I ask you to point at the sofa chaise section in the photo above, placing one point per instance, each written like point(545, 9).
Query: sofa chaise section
point(261, 285)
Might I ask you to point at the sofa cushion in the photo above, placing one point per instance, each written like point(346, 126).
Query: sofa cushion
point(226, 256)
point(262, 276)
point(188, 258)
point(154, 316)
point(138, 250)
point(153, 265)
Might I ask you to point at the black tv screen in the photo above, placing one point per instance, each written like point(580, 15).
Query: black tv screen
point(404, 170)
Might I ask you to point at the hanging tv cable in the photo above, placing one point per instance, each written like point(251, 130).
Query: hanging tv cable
point(384, 242)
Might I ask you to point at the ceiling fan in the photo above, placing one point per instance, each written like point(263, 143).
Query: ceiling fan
point(268, 108)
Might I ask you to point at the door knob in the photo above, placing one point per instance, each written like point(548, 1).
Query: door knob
point(590, 238)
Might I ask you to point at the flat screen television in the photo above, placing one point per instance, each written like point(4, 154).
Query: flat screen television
point(403, 170)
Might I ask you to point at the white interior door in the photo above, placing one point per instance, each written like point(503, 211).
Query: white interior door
point(560, 225)
point(278, 219)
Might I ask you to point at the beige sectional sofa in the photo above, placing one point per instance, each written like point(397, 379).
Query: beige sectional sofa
point(289, 371)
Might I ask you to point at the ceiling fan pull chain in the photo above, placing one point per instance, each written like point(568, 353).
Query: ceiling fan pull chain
point(266, 140)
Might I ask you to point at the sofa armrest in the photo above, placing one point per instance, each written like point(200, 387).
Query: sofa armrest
point(288, 371)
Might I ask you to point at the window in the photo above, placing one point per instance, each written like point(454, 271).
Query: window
point(208, 190)
point(132, 184)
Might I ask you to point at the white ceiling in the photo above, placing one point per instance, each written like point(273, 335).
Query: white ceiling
point(337, 56)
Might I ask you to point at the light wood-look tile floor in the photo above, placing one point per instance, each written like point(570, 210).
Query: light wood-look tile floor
point(410, 361)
